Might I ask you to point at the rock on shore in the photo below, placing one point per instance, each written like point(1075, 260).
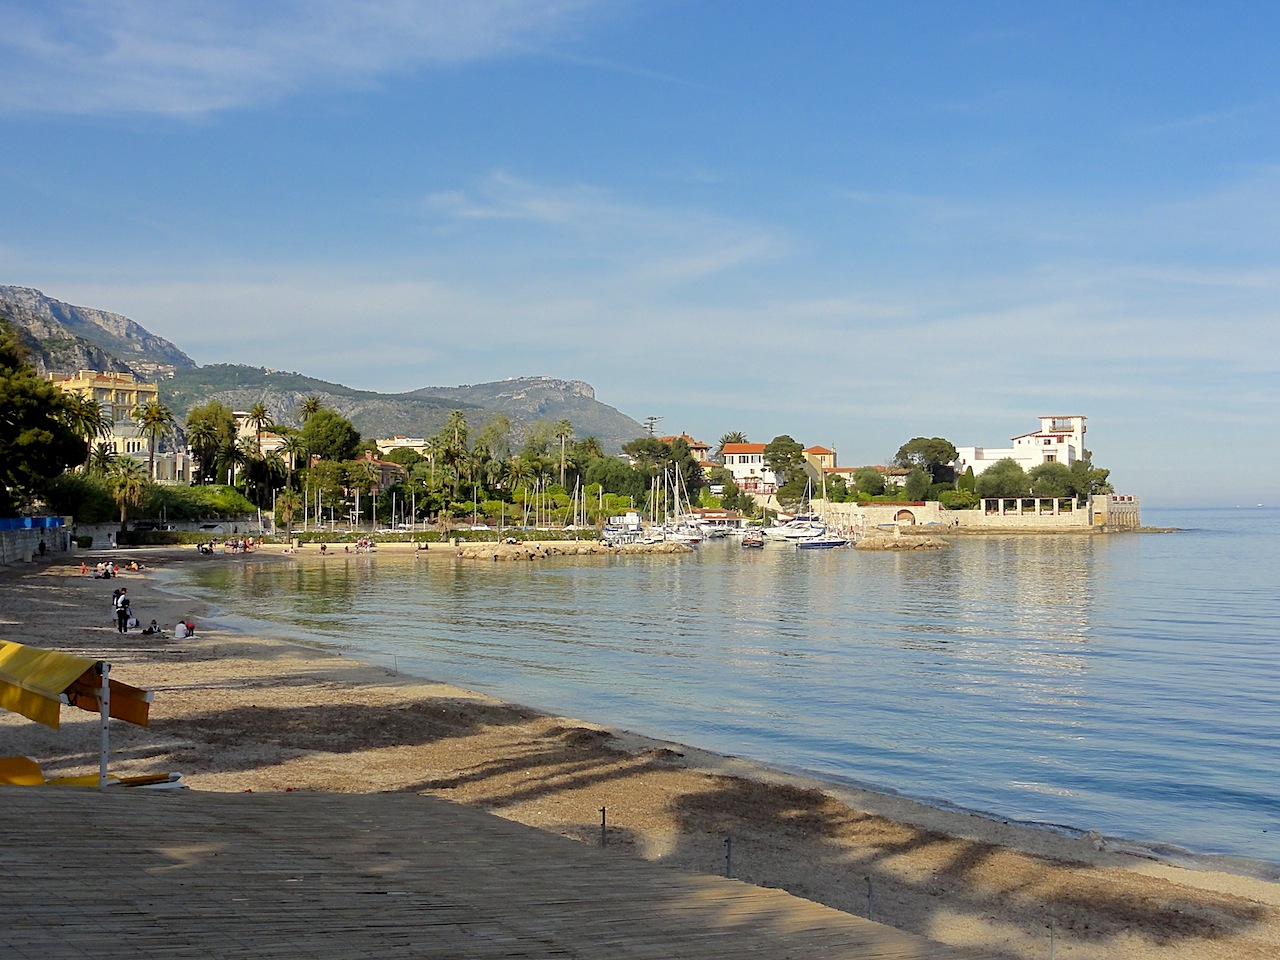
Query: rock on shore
point(908, 542)
point(540, 549)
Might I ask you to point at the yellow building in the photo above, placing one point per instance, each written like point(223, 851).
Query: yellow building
point(121, 395)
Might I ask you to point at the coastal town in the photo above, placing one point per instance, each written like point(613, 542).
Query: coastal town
point(299, 479)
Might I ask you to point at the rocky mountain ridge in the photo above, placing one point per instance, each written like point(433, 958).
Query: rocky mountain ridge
point(63, 338)
point(144, 353)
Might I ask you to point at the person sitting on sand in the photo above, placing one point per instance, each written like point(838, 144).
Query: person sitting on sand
point(180, 631)
point(84, 567)
point(153, 629)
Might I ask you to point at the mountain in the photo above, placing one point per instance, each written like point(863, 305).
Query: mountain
point(63, 330)
point(546, 398)
point(63, 339)
point(52, 348)
point(417, 414)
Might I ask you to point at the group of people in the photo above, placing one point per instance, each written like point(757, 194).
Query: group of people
point(235, 545)
point(106, 569)
point(126, 621)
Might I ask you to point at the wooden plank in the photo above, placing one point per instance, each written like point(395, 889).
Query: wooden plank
point(302, 875)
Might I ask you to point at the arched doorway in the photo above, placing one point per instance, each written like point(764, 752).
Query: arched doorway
point(905, 517)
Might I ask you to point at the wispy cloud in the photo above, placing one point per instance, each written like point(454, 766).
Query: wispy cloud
point(190, 57)
point(651, 242)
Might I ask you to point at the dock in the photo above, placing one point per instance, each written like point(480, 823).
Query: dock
point(128, 873)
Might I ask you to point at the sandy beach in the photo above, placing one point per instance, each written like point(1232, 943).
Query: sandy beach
point(234, 713)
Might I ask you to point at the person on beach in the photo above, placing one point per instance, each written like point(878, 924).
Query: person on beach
point(324, 548)
point(84, 567)
point(122, 616)
point(153, 629)
point(118, 597)
point(180, 631)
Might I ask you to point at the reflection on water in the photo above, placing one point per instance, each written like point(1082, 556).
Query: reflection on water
point(1099, 682)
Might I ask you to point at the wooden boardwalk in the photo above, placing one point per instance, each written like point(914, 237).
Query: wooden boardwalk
point(133, 873)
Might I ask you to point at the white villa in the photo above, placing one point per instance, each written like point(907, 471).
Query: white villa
point(1059, 440)
point(745, 461)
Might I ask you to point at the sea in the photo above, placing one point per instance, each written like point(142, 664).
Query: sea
point(1124, 684)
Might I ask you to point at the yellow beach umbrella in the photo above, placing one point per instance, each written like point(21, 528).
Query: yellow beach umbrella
point(37, 683)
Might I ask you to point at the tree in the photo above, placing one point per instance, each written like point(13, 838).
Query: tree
point(917, 485)
point(1051, 479)
point(286, 507)
point(1004, 478)
point(127, 483)
point(869, 480)
point(330, 435)
point(1088, 480)
point(296, 450)
point(36, 442)
point(933, 454)
point(100, 460)
point(564, 430)
point(309, 408)
point(259, 419)
point(86, 419)
point(155, 420)
point(785, 457)
point(211, 428)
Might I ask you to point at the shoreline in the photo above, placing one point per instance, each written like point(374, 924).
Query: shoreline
point(235, 712)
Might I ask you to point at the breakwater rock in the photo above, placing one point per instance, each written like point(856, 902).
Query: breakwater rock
point(541, 549)
point(902, 543)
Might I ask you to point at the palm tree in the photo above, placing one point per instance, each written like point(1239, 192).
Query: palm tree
point(563, 431)
point(309, 406)
point(295, 448)
point(286, 506)
point(101, 457)
point(202, 436)
point(87, 421)
point(733, 436)
point(259, 419)
point(127, 483)
point(155, 420)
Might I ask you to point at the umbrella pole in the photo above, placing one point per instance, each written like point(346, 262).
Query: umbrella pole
point(104, 707)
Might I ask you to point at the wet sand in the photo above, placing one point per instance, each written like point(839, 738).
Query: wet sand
point(234, 712)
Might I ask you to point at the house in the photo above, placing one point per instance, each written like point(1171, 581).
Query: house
point(417, 444)
point(745, 463)
point(700, 451)
point(820, 458)
point(1059, 440)
point(121, 396)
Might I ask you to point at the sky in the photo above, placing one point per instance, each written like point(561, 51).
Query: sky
point(848, 221)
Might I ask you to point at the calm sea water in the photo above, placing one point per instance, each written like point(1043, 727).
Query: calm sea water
point(1125, 684)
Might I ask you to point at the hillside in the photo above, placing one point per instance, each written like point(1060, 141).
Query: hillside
point(419, 413)
point(52, 348)
point(115, 335)
point(63, 338)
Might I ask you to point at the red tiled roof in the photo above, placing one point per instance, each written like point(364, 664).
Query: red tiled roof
point(743, 448)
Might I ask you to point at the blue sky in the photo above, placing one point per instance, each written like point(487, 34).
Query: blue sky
point(852, 222)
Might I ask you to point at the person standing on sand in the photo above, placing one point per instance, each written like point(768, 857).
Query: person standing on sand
point(122, 615)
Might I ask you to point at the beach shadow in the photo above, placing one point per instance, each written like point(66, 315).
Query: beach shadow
point(813, 846)
point(333, 728)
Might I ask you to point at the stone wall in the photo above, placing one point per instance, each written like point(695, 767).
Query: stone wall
point(22, 544)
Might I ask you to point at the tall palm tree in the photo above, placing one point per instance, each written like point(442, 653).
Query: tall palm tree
point(309, 406)
point(87, 421)
point(202, 436)
point(295, 448)
point(127, 483)
point(259, 419)
point(564, 430)
point(101, 457)
point(286, 507)
point(155, 420)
